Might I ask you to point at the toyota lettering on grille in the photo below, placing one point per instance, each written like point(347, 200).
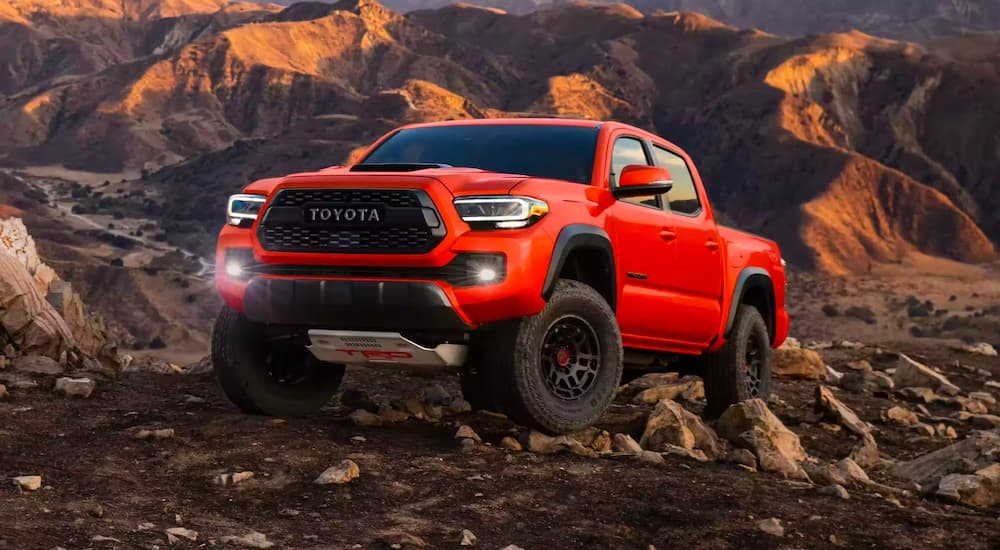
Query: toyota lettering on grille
point(351, 215)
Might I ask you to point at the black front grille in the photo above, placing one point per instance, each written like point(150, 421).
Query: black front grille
point(411, 224)
point(310, 239)
point(395, 198)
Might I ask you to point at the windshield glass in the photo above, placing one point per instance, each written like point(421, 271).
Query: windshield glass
point(558, 152)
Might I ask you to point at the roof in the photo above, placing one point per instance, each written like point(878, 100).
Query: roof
point(510, 121)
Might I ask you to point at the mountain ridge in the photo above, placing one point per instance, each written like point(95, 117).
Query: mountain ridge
point(833, 145)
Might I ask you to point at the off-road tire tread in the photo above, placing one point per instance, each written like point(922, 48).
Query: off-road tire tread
point(233, 338)
point(723, 370)
point(515, 352)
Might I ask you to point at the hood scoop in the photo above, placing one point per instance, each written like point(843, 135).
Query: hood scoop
point(397, 167)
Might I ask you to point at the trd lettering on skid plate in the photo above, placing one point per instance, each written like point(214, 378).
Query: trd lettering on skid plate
point(377, 354)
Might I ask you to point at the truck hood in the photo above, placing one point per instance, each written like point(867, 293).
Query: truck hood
point(458, 181)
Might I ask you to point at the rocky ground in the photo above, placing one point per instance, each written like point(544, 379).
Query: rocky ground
point(151, 460)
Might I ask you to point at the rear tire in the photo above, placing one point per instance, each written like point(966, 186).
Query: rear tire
point(265, 376)
point(557, 371)
point(741, 369)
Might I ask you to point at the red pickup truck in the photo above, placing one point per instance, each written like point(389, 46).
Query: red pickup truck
point(540, 259)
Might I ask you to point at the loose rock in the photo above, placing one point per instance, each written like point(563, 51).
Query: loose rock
point(29, 483)
point(919, 395)
point(834, 409)
point(342, 473)
point(163, 433)
point(624, 443)
point(38, 364)
point(771, 526)
point(540, 443)
point(232, 479)
point(973, 457)
point(910, 373)
point(465, 432)
point(980, 489)
point(361, 417)
point(752, 425)
point(742, 457)
point(983, 397)
point(3, 391)
point(174, 534)
point(594, 438)
point(980, 348)
point(627, 392)
point(798, 363)
point(672, 424)
point(510, 443)
point(459, 406)
point(75, 387)
point(252, 539)
point(900, 416)
point(688, 388)
point(836, 490)
point(468, 538)
point(651, 457)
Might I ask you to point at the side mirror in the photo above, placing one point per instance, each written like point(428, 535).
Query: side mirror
point(639, 179)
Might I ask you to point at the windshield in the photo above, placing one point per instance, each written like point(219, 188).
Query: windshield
point(557, 152)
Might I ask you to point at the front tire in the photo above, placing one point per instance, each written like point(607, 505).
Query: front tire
point(261, 375)
point(741, 369)
point(557, 371)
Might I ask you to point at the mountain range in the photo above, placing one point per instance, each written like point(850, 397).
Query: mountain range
point(846, 148)
point(901, 19)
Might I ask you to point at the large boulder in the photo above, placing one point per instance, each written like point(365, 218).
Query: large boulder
point(27, 319)
point(40, 314)
point(670, 424)
point(966, 471)
point(911, 374)
point(752, 425)
point(798, 363)
point(17, 242)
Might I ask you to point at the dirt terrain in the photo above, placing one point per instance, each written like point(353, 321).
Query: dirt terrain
point(100, 481)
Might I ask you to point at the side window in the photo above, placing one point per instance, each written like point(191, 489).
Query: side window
point(629, 151)
point(683, 197)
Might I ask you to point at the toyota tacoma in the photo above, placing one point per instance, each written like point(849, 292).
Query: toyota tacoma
point(539, 259)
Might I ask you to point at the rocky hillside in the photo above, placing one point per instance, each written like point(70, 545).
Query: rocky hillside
point(845, 148)
point(903, 19)
point(44, 326)
point(44, 42)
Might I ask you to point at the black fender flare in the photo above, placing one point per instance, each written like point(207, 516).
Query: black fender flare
point(752, 277)
point(574, 237)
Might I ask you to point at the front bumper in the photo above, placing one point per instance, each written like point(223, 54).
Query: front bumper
point(351, 304)
point(382, 292)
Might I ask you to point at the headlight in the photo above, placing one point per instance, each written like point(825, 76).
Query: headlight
point(500, 212)
point(243, 209)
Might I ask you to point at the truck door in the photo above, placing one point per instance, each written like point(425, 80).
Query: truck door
point(697, 283)
point(646, 255)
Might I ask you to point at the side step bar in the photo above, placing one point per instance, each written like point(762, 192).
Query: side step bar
point(381, 348)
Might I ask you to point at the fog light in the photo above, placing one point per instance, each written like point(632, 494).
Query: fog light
point(234, 270)
point(486, 275)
